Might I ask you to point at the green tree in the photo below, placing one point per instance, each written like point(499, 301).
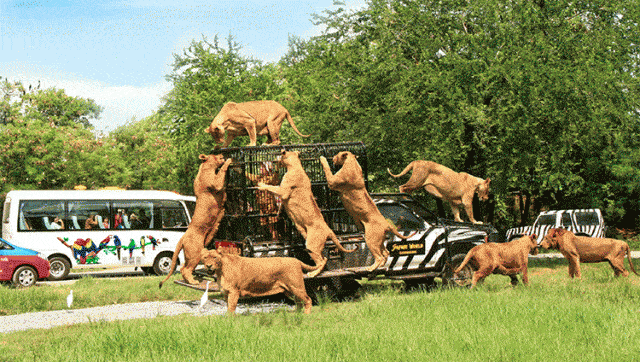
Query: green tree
point(46, 141)
point(540, 96)
point(205, 77)
point(147, 150)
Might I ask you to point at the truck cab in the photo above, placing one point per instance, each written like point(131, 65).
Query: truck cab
point(255, 223)
point(582, 222)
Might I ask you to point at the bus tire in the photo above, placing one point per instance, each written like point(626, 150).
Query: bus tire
point(162, 263)
point(59, 268)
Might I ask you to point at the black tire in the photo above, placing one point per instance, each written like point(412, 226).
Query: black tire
point(162, 263)
point(60, 268)
point(461, 279)
point(514, 237)
point(419, 284)
point(24, 277)
point(335, 289)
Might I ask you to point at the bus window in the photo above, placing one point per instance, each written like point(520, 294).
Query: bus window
point(171, 214)
point(89, 214)
point(41, 215)
point(136, 215)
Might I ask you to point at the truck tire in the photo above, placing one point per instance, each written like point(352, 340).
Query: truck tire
point(336, 289)
point(463, 278)
point(419, 284)
point(59, 268)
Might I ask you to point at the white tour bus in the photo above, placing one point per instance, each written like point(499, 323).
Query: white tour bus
point(84, 228)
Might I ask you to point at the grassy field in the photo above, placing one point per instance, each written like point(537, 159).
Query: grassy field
point(593, 319)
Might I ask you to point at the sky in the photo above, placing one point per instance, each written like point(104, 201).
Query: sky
point(118, 52)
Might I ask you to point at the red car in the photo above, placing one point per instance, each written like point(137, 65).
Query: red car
point(23, 267)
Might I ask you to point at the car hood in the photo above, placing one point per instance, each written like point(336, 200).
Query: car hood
point(18, 251)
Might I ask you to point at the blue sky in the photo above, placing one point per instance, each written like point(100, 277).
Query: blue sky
point(118, 52)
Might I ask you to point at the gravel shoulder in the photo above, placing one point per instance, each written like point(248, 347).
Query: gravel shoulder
point(51, 319)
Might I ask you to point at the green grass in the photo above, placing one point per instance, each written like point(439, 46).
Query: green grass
point(554, 318)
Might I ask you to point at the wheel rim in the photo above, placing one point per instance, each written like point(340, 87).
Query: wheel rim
point(56, 268)
point(463, 277)
point(26, 278)
point(164, 264)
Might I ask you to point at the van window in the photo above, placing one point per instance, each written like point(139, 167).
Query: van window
point(136, 215)
point(41, 215)
point(89, 214)
point(565, 220)
point(587, 218)
point(171, 214)
point(5, 211)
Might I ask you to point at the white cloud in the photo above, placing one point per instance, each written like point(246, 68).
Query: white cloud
point(120, 104)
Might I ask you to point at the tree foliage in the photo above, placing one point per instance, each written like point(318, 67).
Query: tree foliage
point(540, 96)
point(47, 143)
point(205, 77)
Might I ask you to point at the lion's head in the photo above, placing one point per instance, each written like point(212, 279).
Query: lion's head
point(483, 189)
point(551, 240)
point(211, 259)
point(341, 158)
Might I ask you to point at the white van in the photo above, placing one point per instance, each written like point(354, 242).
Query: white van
point(89, 229)
point(582, 222)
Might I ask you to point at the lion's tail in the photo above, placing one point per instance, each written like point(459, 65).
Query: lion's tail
point(309, 268)
point(631, 261)
point(406, 169)
point(293, 125)
point(465, 261)
point(174, 263)
point(395, 232)
point(335, 240)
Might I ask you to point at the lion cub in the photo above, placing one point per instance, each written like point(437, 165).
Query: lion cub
point(301, 206)
point(456, 188)
point(349, 181)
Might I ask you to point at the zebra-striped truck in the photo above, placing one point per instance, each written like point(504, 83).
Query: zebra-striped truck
point(254, 223)
point(582, 222)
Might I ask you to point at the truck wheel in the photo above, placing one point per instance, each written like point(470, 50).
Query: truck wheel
point(162, 264)
point(24, 277)
point(59, 268)
point(420, 284)
point(335, 289)
point(461, 279)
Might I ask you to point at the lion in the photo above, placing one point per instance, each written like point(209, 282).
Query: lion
point(299, 203)
point(585, 249)
point(349, 181)
point(501, 258)
point(253, 118)
point(457, 188)
point(209, 189)
point(238, 276)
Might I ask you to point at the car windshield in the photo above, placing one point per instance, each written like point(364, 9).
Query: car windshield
point(4, 246)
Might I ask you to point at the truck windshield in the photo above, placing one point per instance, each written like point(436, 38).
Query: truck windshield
point(547, 220)
point(401, 217)
point(586, 218)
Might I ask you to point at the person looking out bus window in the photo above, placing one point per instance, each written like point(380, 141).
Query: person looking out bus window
point(57, 224)
point(91, 222)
